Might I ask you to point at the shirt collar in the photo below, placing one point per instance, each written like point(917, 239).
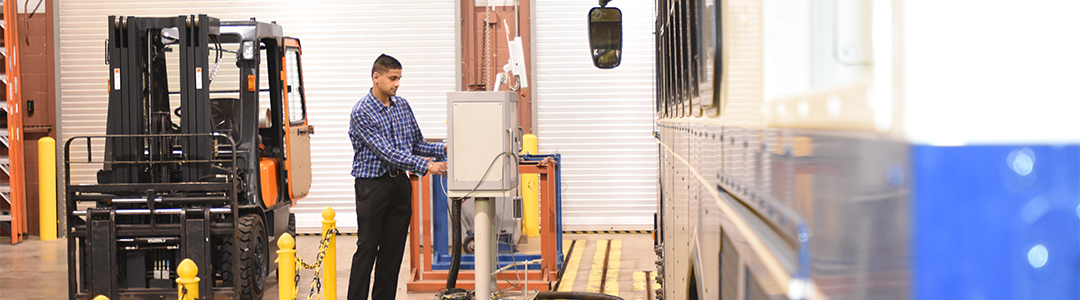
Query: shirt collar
point(376, 104)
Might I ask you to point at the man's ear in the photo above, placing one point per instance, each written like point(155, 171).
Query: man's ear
point(374, 77)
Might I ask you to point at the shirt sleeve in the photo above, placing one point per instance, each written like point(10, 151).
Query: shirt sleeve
point(436, 150)
point(380, 145)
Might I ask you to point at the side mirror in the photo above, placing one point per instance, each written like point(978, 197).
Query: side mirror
point(605, 36)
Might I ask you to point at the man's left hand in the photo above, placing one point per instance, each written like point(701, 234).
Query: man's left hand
point(437, 168)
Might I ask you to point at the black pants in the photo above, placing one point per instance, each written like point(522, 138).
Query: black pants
point(383, 212)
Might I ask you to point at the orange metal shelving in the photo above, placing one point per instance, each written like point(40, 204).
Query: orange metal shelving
point(12, 164)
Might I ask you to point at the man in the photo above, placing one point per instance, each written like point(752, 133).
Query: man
point(386, 143)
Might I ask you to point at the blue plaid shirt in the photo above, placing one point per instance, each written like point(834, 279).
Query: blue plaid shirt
point(385, 137)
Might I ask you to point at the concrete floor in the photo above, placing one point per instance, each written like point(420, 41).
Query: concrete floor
point(37, 269)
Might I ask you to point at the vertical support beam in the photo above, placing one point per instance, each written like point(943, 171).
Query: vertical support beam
point(124, 101)
point(428, 229)
point(195, 234)
point(274, 59)
point(14, 123)
point(485, 251)
point(52, 8)
point(114, 120)
point(547, 213)
point(102, 248)
point(194, 93)
point(414, 229)
point(69, 207)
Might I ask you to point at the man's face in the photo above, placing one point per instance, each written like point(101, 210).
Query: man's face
point(388, 82)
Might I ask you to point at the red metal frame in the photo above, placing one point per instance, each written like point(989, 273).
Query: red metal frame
point(14, 122)
point(423, 279)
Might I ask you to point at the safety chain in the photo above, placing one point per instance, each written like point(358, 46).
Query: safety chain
point(485, 51)
point(183, 292)
point(316, 284)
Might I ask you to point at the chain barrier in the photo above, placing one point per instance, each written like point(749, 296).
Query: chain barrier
point(183, 292)
point(316, 284)
point(485, 52)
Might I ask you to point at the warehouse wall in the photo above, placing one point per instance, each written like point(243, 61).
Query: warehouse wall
point(340, 39)
point(601, 121)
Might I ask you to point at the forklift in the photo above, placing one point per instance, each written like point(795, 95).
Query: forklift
point(206, 148)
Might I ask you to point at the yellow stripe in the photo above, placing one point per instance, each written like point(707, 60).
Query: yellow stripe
point(572, 266)
point(611, 285)
point(597, 271)
point(639, 281)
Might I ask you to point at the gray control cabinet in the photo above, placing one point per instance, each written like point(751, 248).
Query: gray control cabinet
point(481, 125)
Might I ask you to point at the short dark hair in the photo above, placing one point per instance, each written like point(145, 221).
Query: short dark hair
point(385, 63)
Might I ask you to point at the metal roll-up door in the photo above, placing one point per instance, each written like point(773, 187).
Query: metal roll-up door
point(340, 39)
point(601, 121)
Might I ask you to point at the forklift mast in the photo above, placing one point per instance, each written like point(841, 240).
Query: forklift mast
point(192, 144)
point(139, 99)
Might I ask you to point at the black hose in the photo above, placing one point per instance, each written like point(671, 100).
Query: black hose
point(576, 295)
point(455, 260)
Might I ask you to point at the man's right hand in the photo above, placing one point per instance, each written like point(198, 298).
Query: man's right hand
point(437, 168)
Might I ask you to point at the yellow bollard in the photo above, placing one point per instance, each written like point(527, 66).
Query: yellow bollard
point(187, 271)
point(101, 297)
point(329, 265)
point(286, 266)
point(530, 192)
point(47, 188)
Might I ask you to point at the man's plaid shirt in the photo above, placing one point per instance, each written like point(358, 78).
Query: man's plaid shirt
point(385, 137)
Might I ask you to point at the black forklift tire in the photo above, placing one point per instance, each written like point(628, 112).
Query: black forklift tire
point(292, 225)
point(252, 248)
point(226, 250)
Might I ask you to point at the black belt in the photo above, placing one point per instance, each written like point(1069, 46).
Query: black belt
point(394, 173)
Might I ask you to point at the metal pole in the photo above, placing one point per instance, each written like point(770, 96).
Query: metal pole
point(485, 252)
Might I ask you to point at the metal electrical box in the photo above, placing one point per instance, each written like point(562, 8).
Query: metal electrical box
point(481, 126)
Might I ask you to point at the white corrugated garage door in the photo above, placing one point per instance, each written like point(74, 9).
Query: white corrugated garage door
point(341, 38)
point(601, 121)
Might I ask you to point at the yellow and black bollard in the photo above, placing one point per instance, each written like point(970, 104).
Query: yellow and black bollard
point(286, 267)
point(187, 285)
point(289, 264)
point(530, 191)
point(47, 188)
point(101, 297)
point(329, 266)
